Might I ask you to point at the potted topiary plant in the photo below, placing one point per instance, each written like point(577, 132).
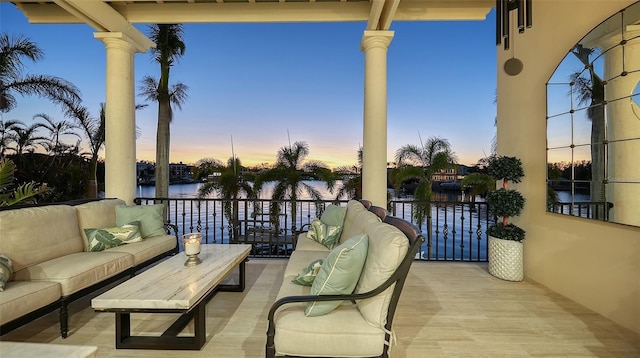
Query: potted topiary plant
point(506, 254)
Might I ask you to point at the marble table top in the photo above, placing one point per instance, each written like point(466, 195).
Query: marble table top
point(23, 350)
point(170, 284)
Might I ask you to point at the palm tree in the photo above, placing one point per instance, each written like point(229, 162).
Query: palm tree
point(229, 187)
point(169, 48)
point(478, 184)
point(57, 129)
point(6, 135)
point(12, 81)
point(351, 184)
point(289, 173)
point(590, 90)
point(94, 130)
point(27, 138)
point(420, 163)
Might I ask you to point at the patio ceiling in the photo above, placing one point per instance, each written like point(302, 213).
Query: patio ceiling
point(118, 15)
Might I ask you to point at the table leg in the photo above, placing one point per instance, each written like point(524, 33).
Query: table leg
point(241, 278)
point(169, 339)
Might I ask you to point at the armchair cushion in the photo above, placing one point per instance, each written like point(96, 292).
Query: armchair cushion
point(339, 274)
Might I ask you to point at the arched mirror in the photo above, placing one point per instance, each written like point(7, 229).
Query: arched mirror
point(593, 124)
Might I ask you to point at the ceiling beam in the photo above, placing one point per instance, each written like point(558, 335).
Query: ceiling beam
point(261, 12)
point(104, 18)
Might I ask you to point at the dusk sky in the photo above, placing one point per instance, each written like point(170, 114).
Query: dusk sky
point(258, 82)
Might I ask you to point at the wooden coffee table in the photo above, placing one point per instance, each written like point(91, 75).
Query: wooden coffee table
point(170, 287)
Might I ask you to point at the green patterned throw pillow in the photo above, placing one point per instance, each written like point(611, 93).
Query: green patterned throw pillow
point(6, 269)
point(308, 274)
point(102, 239)
point(327, 235)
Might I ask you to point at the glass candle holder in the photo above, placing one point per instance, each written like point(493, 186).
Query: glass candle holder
point(191, 243)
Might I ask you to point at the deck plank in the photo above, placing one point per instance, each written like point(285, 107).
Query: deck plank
point(446, 310)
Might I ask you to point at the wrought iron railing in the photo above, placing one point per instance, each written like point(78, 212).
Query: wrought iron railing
point(455, 231)
point(598, 210)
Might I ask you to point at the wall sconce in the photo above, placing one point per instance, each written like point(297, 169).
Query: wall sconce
point(503, 8)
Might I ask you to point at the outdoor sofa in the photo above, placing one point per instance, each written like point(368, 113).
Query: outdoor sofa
point(50, 264)
point(361, 276)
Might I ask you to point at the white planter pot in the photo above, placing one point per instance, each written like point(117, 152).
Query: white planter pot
point(506, 259)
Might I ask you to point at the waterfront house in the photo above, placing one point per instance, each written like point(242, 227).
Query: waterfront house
point(593, 263)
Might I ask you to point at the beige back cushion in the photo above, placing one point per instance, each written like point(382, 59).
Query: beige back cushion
point(356, 220)
point(387, 247)
point(97, 215)
point(30, 236)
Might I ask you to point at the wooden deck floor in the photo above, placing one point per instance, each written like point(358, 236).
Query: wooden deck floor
point(446, 310)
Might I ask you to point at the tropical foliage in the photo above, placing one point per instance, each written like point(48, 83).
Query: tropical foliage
point(169, 49)
point(13, 52)
point(478, 184)
point(419, 163)
point(588, 88)
point(230, 187)
point(288, 174)
point(10, 194)
point(351, 186)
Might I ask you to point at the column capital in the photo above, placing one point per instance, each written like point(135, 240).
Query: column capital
point(120, 40)
point(371, 39)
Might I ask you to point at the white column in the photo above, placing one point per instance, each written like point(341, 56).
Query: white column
point(623, 123)
point(120, 126)
point(374, 150)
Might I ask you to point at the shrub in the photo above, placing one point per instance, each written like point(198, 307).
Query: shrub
point(506, 202)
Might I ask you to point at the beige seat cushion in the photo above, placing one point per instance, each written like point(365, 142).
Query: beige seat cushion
point(148, 248)
point(77, 271)
point(306, 244)
point(97, 215)
point(22, 297)
point(340, 333)
point(301, 259)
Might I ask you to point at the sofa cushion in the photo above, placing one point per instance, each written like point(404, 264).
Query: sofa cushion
point(97, 214)
point(147, 249)
point(22, 297)
point(308, 274)
point(76, 271)
point(57, 224)
point(357, 220)
point(6, 269)
point(387, 248)
point(305, 244)
point(101, 239)
point(299, 259)
point(334, 215)
point(150, 217)
point(325, 234)
point(340, 333)
point(339, 274)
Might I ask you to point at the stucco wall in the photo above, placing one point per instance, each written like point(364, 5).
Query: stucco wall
point(596, 264)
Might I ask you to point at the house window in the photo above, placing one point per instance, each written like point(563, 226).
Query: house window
point(593, 124)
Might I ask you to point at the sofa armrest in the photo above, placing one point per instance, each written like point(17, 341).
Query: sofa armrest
point(168, 228)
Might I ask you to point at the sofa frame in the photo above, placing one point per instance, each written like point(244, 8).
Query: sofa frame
point(415, 238)
point(64, 301)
